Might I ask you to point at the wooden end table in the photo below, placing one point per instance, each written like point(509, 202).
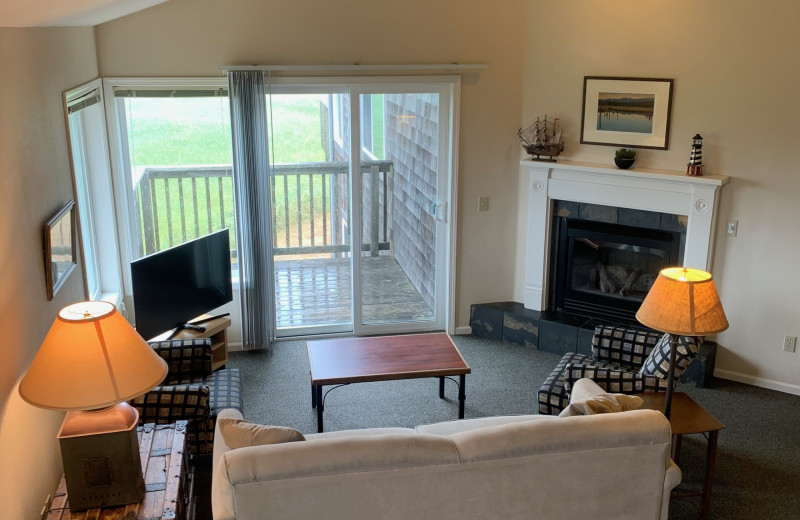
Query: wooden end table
point(687, 417)
point(384, 358)
point(168, 480)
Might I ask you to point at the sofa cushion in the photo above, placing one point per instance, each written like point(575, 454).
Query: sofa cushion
point(335, 456)
point(565, 434)
point(603, 403)
point(239, 434)
point(465, 425)
point(359, 433)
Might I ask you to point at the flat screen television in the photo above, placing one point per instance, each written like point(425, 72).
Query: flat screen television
point(178, 284)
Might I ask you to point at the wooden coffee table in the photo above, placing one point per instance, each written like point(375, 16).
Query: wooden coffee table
point(383, 358)
point(688, 417)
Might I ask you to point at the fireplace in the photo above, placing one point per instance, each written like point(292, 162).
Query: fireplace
point(604, 270)
point(694, 199)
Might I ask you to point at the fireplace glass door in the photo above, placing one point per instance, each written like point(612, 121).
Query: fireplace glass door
point(605, 270)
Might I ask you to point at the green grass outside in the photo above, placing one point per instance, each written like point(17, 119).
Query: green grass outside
point(196, 132)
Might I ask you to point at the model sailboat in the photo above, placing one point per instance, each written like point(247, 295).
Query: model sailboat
point(542, 139)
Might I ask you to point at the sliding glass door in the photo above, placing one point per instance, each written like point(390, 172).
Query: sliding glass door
point(311, 210)
point(361, 186)
point(403, 193)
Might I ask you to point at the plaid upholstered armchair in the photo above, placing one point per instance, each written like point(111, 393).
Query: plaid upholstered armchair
point(623, 360)
point(191, 391)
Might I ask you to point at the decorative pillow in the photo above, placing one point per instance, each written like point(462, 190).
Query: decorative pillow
point(603, 403)
point(240, 434)
point(657, 362)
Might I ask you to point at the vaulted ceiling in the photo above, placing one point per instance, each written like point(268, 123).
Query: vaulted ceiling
point(61, 13)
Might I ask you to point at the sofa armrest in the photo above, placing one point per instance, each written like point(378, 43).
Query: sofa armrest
point(219, 442)
point(187, 359)
point(671, 479)
point(623, 346)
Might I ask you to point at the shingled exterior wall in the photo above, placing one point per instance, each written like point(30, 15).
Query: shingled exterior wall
point(412, 143)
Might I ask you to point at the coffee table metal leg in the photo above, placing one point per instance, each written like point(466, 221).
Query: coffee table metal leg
point(462, 396)
point(320, 407)
point(313, 396)
point(441, 387)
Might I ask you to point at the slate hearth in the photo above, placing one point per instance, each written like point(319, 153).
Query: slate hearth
point(561, 332)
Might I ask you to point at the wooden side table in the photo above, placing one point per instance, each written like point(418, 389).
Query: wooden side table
point(168, 479)
point(687, 417)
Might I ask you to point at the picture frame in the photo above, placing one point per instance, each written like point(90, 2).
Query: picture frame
point(628, 112)
point(59, 248)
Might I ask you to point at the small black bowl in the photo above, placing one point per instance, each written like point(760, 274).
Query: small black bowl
point(624, 162)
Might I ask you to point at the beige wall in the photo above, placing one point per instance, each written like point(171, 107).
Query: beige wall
point(736, 80)
point(35, 182)
point(192, 38)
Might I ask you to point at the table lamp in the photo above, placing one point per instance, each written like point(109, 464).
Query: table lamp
point(682, 302)
point(91, 362)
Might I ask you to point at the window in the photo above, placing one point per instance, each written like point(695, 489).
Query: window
point(92, 173)
point(175, 159)
point(372, 126)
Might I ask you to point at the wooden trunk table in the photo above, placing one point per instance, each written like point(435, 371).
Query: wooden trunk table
point(384, 358)
point(168, 480)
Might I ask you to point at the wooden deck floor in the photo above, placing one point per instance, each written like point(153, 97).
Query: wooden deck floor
point(317, 292)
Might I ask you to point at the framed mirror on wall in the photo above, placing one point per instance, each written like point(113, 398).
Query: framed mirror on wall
point(59, 248)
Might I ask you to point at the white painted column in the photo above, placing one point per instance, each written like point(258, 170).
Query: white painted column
point(538, 247)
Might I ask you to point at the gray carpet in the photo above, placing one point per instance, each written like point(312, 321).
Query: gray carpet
point(758, 457)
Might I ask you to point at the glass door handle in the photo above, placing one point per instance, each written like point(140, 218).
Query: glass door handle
point(440, 211)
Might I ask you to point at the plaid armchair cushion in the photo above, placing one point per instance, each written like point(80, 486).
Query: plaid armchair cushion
point(169, 403)
point(657, 363)
point(624, 347)
point(191, 391)
point(189, 360)
point(613, 379)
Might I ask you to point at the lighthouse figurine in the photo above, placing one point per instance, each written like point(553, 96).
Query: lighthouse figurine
point(695, 166)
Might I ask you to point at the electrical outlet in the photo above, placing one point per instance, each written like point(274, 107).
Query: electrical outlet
point(46, 509)
point(789, 342)
point(483, 204)
point(733, 227)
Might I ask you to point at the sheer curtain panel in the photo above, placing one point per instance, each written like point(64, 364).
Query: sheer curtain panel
point(251, 179)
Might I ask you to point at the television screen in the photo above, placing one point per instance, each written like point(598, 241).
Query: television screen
point(176, 285)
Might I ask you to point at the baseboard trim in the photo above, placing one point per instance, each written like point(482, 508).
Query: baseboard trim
point(464, 330)
point(758, 381)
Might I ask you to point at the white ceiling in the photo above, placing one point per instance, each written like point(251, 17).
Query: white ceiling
point(61, 13)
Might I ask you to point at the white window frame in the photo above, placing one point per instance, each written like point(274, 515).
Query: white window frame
point(91, 170)
point(120, 164)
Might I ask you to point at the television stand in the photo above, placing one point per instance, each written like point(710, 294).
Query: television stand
point(215, 327)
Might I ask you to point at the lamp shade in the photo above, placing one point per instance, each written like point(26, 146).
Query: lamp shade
point(684, 302)
point(91, 358)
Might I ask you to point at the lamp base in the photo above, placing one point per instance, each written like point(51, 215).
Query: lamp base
point(100, 452)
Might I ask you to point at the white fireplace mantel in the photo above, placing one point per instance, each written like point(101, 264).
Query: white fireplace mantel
point(664, 191)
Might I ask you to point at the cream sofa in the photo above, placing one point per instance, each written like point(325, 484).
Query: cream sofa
point(607, 466)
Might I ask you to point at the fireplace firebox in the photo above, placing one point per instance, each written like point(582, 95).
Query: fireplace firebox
point(603, 270)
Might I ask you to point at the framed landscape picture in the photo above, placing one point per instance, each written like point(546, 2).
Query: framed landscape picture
point(629, 112)
point(59, 248)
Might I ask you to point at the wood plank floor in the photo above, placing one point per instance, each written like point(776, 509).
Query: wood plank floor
point(317, 292)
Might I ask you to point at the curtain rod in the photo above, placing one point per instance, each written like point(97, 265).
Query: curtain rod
point(354, 67)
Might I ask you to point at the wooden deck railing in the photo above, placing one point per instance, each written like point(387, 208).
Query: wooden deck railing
point(309, 203)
